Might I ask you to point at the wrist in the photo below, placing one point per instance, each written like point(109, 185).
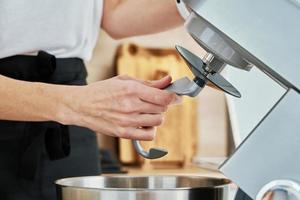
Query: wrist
point(64, 104)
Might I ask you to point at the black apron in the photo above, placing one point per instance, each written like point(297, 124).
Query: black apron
point(35, 154)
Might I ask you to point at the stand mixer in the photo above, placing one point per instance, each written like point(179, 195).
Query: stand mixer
point(247, 34)
point(266, 166)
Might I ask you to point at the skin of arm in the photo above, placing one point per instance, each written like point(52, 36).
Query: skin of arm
point(28, 101)
point(118, 107)
point(125, 18)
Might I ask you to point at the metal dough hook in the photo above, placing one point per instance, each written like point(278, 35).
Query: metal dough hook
point(204, 72)
point(153, 153)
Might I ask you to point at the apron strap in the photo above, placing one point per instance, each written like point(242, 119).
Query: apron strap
point(57, 141)
point(51, 137)
point(46, 65)
point(41, 136)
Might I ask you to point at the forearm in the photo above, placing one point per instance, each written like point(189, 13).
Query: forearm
point(118, 106)
point(139, 17)
point(28, 101)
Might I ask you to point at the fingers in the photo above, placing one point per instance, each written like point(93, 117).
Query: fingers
point(150, 91)
point(108, 128)
point(124, 104)
point(177, 100)
point(135, 120)
point(156, 96)
point(134, 105)
point(144, 134)
point(143, 120)
point(163, 83)
point(160, 84)
point(150, 108)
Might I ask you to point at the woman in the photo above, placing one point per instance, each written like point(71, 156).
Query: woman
point(48, 114)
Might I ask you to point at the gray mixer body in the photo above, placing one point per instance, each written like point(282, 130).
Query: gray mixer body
point(265, 34)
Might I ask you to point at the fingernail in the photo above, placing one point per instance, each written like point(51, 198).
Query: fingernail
point(177, 100)
point(166, 77)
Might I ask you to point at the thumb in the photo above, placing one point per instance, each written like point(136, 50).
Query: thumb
point(161, 83)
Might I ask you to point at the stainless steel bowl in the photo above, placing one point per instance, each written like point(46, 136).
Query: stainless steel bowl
point(143, 188)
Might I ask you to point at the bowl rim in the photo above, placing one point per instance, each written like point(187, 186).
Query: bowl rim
point(226, 183)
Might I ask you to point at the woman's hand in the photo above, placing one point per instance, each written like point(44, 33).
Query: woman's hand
point(122, 106)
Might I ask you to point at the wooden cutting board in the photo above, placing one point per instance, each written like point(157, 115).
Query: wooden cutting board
point(178, 134)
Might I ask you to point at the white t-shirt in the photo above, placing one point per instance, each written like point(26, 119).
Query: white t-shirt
point(64, 28)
